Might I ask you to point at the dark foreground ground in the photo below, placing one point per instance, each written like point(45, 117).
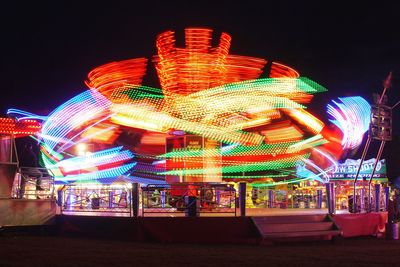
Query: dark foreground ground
point(18, 249)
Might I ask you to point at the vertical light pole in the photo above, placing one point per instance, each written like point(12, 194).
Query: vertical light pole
point(380, 129)
point(242, 198)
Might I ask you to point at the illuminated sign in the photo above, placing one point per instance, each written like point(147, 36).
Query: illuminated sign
point(348, 169)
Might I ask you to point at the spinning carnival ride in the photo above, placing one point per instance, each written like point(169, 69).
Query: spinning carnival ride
point(217, 117)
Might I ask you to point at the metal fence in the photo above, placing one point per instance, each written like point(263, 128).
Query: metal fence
point(377, 202)
point(33, 183)
point(180, 198)
point(317, 199)
point(96, 198)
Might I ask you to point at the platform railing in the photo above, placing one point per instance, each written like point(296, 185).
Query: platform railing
point(272, 198)
point(378, 200)
point(33, 183)
point(209, 198)
point(318, 199)
point(111, 200)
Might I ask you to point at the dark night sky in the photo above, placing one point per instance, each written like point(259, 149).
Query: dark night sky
point(48, 48)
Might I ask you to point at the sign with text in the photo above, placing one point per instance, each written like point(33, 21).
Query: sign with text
point(348, 169)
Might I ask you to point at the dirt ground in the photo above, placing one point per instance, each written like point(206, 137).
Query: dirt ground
point(39, 250)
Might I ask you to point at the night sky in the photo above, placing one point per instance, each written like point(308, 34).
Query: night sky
point(48, 48)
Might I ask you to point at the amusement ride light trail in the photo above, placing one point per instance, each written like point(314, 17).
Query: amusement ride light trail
point(252, 127)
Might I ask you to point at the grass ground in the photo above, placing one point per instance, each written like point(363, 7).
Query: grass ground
point(35, 250)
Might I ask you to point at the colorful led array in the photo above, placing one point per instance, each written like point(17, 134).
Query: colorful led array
point(199, 66)
point(19, 128)
point(115, 74)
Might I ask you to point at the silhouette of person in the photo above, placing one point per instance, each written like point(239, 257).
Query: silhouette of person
point(29, 164)
point(393, 209)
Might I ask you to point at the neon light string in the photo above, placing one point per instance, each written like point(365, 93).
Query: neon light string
point(97, 175)
point(95, 134)
point(264, 149)
point(316, 140)
point(259, 166)
point(326, 155)
point(146, 119)
point(65, 146)
point(352, 117)
point(195, 106)
point(74, 112)
point(247, 176)
point(290, 181)
point(306, 119)
point(49, 138)
point(49, 164)
point(23, 115)
point(95, 159)
point(271, 86)
point(321, 172)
